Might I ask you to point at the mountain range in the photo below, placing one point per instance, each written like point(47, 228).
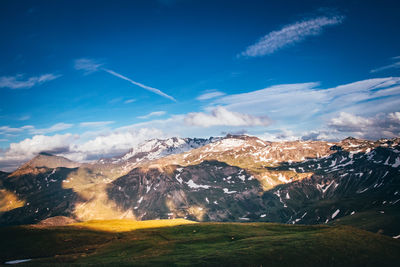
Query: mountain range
point(236, 178)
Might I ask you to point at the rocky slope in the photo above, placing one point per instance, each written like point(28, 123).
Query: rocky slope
point(158, 148)
point(236, 178)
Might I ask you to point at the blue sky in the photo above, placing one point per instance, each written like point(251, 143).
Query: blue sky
point(93, 78)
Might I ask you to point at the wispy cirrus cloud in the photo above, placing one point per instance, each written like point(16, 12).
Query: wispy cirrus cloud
point(128, 101)
point(210, 95)
point(90, 66)
point(298, 103)
point(87, 65)
point(13, 130)
point(153, 114)
point(394, 65)
point(33, 130)
point(18, 81)
point(54, 128)
point(289, 35)
point(24, 118)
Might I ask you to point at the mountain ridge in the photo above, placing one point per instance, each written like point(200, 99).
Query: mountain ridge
point(235, 178)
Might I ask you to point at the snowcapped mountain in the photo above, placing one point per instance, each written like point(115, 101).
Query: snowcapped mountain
point(235, 178)
point(157, 148)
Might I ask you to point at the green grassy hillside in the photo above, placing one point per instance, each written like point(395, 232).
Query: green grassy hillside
point(224, 244)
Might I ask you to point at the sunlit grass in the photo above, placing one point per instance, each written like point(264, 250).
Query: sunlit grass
point(9, 201)
point(129, 225)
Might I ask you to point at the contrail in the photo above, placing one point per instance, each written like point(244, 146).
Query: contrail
point(151, 89)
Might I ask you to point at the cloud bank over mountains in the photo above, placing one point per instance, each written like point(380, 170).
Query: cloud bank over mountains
point(220, 116)
point(365, 109)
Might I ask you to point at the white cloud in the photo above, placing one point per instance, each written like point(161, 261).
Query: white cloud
point(210, 95)
point(289, 35)
point(282, 135)
point(54, 128)
point(349, 122)
point(18, 81)
point(374, 127)
point(325, 135)
point(24, 118)
point(223, 117)
point(128, 101)
point(153, 114)
point(87, 65)
point(8, 129)
point(304, 103)
point(74, 148)
point(280, 102)
point(95, 123)
point(32, 130)
point(28, 148)
point(113, 143)
point(394, 65)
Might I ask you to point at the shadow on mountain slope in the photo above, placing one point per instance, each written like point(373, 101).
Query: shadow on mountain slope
point(43, 194)
point(344, 184)
point(209, 191)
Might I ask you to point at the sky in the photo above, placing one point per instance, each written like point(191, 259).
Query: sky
point(89, 79)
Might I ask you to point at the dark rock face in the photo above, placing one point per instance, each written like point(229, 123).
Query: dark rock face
point(43, 194)
point(210, 191)
point(342, 184)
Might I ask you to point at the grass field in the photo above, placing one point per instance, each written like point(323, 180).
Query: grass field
point(200, 244)
point(386, 223)
point(128, 225)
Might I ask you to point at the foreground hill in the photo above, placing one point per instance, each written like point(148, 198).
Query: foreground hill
point(202, 244)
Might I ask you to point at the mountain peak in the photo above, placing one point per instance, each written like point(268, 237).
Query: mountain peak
point(47, 160)
point(44, 153)
point(157, 148)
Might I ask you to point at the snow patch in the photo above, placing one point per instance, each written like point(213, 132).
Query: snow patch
point(226, 191)
point(335, 213)
point(282, 178)
point(192, 184)
point(396, 163)
point(17, 261)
